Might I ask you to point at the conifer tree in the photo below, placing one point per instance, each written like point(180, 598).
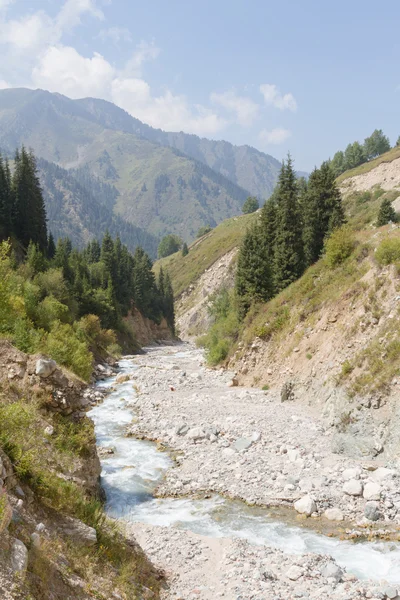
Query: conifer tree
point(386, 213)
point(288, 252)
point(5, 200)
point(185, 249)
point(169, 303)
point(51, 247)
point(322, 211)
point(254, 277)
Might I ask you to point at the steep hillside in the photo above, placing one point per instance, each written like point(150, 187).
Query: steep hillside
point(209, 266)
point(160, 188)
point(243, 165)
point(79, 206)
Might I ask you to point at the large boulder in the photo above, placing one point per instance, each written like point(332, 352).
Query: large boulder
point(372, 512)
point(305, 506)
point(19, 557)
point(333, 514)
point(196, 433)
point(80, 532)
point(45, 367)
point(353, 487)
point(372, 491)
point(242, 444)
point(332, 571)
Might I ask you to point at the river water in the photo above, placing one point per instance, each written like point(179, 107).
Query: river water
point(130, 475)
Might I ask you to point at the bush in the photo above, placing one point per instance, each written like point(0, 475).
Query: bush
point(250, 206)
point(388, 251)
point(224, 332)
point(65, 347)
point(169, 245)
point(203, 230)
point(339, 246)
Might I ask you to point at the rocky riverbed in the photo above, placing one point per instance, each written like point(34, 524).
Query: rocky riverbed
point(244, 444)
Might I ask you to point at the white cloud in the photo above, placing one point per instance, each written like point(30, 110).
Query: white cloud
point(169, 112)
point(29, 33)
point(115, 34)
point(144, 52)
point(62, 69)
point(245, 109)
point(275, 136)
point(273, 97)
point(72, 10)
point(4, 85)
point(4, 4)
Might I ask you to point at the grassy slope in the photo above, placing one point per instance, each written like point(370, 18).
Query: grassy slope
point(204, 252)
point(366, 167)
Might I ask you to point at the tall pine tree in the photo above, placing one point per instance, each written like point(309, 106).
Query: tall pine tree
point(288, 252)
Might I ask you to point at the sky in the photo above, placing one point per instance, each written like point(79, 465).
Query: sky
point(305, 76)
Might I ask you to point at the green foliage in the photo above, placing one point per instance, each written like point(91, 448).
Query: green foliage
point(388, 251)
point(339, 246)
point(398, 141)
point(169, 245)
point(322, 211)
point(63, 344)
point(357, 154)
point(386, 213)
point(250, 206)
point(225, 329)
point(376, 144)
point(203, 230)
point(288, 250)
point(185, 249)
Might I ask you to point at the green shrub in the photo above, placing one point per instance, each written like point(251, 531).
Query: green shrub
point(225, 329)
point(65, 347)
point(388, 251)
point(339, 246)
point(25, 337)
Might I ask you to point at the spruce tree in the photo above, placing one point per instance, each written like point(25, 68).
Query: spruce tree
point(185, 249)
point(322, 211)
point(386, 213)
point(288, 252)
point(254, 281)
point(51, 247)
point(5, 200)
point(169, 311)
point(29, 214)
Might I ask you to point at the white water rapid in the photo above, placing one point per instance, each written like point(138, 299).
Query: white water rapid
point(132, 472)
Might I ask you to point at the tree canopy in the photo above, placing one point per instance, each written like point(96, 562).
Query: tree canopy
point(250, 206)
point(169, 245)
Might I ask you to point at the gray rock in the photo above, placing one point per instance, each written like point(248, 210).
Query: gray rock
point(294, 573)
point(305, 506)
point(19, 492)
point(333, 514)
point(371, 511)
point(196, 433)
point(49, 430)
point(331, 570)
point(354, 487)
point(182, 429)
point(287, 392)
point(36, 541)
point(45, 367)
point(390, 592)
point(372, 491)
point(80, 532)
point(19, 557)
point(242, 444)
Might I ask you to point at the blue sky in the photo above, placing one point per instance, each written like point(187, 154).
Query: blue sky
point(306, 76)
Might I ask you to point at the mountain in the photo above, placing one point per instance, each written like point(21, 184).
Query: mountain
point(159, 189)
point(165, 182)
point(243, 165)
point(81, 207)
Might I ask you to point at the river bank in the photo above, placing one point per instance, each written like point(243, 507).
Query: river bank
point(232, 441)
